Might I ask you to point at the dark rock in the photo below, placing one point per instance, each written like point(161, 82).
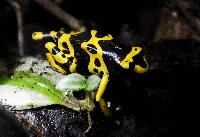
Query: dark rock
point(10, 126)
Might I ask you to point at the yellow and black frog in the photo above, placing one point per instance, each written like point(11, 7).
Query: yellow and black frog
point(90, 52)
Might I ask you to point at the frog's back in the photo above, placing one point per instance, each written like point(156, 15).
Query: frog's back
point(98, 51)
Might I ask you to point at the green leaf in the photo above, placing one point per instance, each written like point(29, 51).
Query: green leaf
point(18, 98)
point(92, 83)
point(71, 82)
point(35, 87)
point(36, 83)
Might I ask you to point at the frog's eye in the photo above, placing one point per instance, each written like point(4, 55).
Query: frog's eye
point(139, 63)
point(37, 35)
point(135, 60)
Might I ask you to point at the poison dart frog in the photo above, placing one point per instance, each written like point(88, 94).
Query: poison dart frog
point(91, 52)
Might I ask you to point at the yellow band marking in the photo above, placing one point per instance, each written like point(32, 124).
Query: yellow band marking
point(140, 69)
point(129, 58)
point(66, 38)
point(94, 41)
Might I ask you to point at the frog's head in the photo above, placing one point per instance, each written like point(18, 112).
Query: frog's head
point(135, 60)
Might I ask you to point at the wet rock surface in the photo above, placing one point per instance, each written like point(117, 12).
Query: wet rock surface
point(54, 121)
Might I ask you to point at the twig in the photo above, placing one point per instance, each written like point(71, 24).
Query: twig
point(68, 19)
point(19, 16)
point(195, 22)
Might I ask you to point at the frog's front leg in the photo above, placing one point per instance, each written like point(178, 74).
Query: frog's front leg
point(101, 89)
point(102, 86)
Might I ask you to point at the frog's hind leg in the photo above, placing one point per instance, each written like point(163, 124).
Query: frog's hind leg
point(55, 66)
point(39, 35)
point(42, 35)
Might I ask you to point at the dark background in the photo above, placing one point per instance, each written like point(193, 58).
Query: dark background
point(141, 16)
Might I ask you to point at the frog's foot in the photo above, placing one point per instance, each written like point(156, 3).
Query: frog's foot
point(104, 107)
